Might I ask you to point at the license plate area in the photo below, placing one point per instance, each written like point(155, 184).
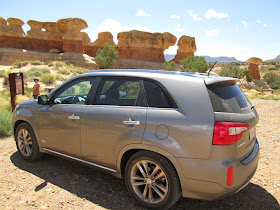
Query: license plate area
point(252, 133)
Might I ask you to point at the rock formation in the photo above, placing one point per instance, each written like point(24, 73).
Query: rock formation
point(253, 67)
point(65, 36)
point(51, 30)
point(14, 28)
point(103, 38)
point(72, 36)
point(186, 48)
point(145, 46)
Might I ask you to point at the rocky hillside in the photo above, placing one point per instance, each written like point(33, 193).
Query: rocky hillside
point(221, 59)
point(277, 58)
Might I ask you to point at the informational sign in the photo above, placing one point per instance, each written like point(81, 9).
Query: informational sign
point(19, 86)
point(16, 87)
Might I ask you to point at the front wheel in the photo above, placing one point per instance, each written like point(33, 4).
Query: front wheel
point(152, 180)
point(27, 143)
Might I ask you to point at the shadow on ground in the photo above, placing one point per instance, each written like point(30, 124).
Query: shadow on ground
point(110, 192)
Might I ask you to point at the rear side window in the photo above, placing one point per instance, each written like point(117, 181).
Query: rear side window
point(229, 99)
point(156, 96)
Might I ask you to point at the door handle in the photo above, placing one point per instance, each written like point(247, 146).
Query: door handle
point(131, 122)
point(73, 117)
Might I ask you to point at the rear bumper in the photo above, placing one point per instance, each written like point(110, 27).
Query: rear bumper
point(206, 179)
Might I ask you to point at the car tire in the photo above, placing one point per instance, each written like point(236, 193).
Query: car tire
point(26, 143)
point(152, 180)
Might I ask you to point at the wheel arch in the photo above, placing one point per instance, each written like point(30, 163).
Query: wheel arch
point(129, 150)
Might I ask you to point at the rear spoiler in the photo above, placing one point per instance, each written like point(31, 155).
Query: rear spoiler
point(218, 80)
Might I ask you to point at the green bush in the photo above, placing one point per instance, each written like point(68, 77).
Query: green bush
point(273, 80)
point(193, 64)
point(19, 63)
point(59, 64)
point(107, 57)
point(35, 72)
point(48, 78)
point(169, 65)
point(37, 62)
point(64, 70)
point(234, 71)
point(5, 123)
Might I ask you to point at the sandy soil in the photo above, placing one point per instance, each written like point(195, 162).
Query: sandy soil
point(54, 183)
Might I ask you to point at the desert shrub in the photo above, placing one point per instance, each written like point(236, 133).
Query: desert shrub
point(272, 79)
point(19, 63)
point(59, 64)
point(59, 77)
point(193, 64)
point(50, 64)
point(5, 123)
point(249, 78)
point(79, 70)
point(64, 70)
point(5, 75)
point(36, 62)
point(106, 57)
point(169, 65)
point(234, 71)
point(48, 78)
point(35, 72)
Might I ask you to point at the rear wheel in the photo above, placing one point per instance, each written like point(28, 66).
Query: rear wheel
point(152, 180)
point(27, 143)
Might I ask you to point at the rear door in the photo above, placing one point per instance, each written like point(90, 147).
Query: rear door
point(115, 119)
point(231, 105)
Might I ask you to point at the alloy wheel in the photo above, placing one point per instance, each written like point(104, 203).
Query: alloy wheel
point(149, 181)
point(24, 142)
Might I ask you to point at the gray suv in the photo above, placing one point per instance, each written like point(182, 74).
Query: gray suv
point(167, 134)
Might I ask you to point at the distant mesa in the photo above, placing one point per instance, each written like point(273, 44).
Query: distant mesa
point(276, 59)
point(66, 35)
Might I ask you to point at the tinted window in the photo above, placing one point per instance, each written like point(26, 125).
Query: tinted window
point(228, 99)
point(75, 92)
point(156, 97)
point(121, 92)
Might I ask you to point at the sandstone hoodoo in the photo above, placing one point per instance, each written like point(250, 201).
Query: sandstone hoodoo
point(144, 46)
point(253, 67)
point(72, 36)
point(51, 31)
point(15, 27)
point(103, 38)
point(186, 48)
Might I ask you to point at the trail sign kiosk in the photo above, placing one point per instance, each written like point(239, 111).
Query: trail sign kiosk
point(16, 87)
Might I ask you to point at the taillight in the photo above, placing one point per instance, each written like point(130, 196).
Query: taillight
point(226, 133)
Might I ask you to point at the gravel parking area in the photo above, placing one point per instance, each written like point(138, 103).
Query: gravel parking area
point(54, 183)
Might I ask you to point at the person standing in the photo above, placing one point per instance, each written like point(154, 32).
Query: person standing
point(36, 88)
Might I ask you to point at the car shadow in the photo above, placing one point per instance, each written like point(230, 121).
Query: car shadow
point(110, 192)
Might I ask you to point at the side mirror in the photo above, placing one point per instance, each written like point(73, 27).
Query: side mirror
point(42, 100)
point(122, 93)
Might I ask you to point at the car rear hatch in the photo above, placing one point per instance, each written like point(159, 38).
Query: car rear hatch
point(234, 113)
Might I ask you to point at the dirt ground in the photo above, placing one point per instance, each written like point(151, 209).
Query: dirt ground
point(54, 183)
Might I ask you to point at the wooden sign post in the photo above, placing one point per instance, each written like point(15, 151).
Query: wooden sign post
point(16, 87)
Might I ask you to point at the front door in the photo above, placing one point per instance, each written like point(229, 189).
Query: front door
point(60, 121)
point(115, 119)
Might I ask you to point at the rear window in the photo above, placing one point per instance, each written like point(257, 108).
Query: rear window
point(229, 99)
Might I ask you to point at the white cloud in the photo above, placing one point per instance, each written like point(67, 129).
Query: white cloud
point(213, 14)
point(174, 16)
point(244, 23)
point(110, 25)
point(142, 13)
point(213, 32)
point(260, 22)
point(195, 16)
point(179, 29)
point(137, 27)
point(114, 27)
point(172, 50)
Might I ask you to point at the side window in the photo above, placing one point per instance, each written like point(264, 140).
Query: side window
point(121, 92)
point(75, 92)
point(156, 96)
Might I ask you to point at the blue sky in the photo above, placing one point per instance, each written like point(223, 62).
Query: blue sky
point(240, 29)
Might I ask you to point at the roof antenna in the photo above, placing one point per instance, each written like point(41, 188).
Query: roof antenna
point(211, 68)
